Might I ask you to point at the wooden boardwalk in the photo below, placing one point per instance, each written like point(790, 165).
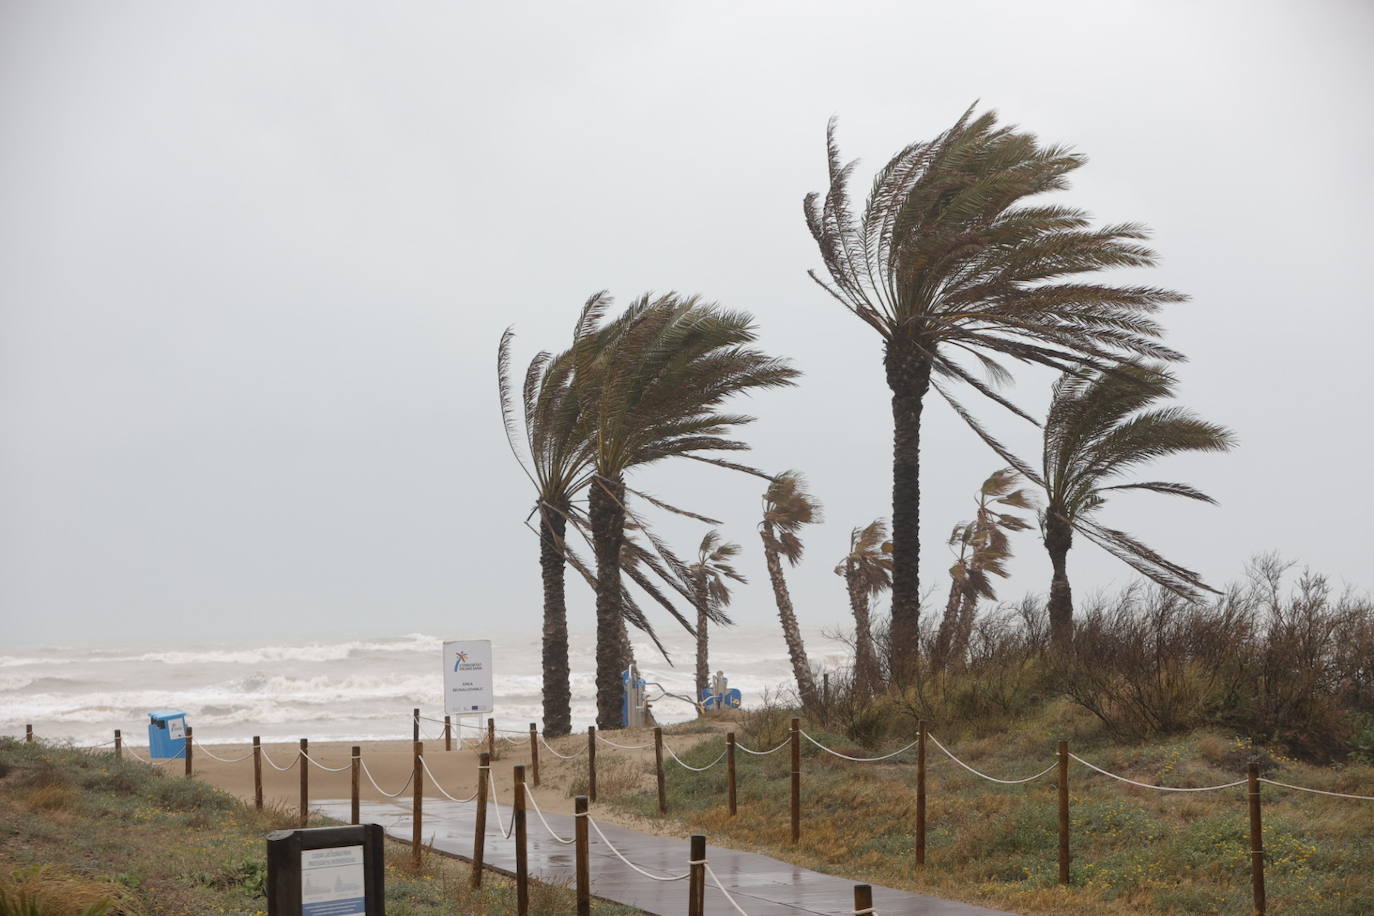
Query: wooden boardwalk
point(762, 886)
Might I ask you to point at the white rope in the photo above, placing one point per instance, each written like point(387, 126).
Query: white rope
point(859, 759)
point(211, 754)
point(1005, 782)
point(435, 780)
point(1146, 785)
point(556, 837)
point(1284, 785)
point(325, 768)
point(403, 787)
point(550, 749)
point(764, 753)
point(866, 911)
point(622, 858)
point(505, 831)
point(673, 754)
point(273, 764)
point(738, 909)
point(154, 762)
point(623, 747)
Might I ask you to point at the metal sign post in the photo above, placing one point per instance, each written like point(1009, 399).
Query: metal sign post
point(326, 871)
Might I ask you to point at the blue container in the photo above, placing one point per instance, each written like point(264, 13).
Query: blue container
point(166, 734)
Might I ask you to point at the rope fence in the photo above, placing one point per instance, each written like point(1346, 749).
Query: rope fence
point(699, 869)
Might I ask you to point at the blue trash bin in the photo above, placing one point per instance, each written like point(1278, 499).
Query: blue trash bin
point(166, 734)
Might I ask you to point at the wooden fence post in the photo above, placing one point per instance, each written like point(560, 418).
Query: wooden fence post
point(491, 738)
point(534, 754)
point(355, 771)
point(448, 733)
point(730, 771)
point(522, 862)
point(414, 725)
point(119, 744)
point(696, 880)
point(591, 762)
point(584, 881)
point(305, 781)
point(863, 898)
point(417, 800)
point(28, 733)
point(796, 780)
point(1256, 839)
point(1063, 812)
point(920, 795)
point(479, 837)
point(187, 745)
point(257, 772)
point(658, 766)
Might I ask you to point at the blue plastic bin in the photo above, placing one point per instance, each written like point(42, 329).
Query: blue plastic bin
point(166, 734)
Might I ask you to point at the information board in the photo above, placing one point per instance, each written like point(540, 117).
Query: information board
point(332, 882)
point(467, 677)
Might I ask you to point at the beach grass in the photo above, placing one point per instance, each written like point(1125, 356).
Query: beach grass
point(1134, 850)
point(86, 834)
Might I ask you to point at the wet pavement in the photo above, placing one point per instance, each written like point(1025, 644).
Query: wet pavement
point(762, 886)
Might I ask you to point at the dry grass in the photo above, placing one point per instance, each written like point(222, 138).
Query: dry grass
point(47, 891)
point(1135, 851)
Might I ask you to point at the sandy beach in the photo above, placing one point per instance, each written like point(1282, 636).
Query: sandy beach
point(390, 764)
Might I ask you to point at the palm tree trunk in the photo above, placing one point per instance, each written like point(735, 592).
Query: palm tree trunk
point(949, 626)
point(908, 376)
point(1058, 540)
point(557, 688)
point(865, 658)
point(607, 509)
point(791, 633)
point(963, 633)
point(703, 661)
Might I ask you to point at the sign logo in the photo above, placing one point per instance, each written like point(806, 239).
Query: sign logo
point(462, 660)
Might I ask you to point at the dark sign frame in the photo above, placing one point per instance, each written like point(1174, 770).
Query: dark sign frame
point(284, 848)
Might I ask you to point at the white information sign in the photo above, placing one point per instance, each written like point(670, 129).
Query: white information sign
point(467, 677)
point(175, 729)
point(332, 882)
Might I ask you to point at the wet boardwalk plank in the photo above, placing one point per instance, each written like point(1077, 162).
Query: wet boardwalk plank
point(763, 886)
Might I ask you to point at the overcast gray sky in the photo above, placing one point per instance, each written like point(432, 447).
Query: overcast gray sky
point(255, 259)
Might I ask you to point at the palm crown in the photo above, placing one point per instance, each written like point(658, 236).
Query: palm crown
point(1101, 427)
point(787, 506)
point(869, 560)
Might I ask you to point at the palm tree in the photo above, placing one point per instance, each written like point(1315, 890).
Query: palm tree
point(548, 437)
point(1101, 426)
point(983, 550)
point(652, 388)
point(786, 508)
point(949, 263)
point(867, 572)
point(709, 574)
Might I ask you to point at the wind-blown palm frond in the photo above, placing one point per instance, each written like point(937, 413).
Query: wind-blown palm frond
point(710, 576)
point(1102, 426)
point(956, 269)
point(653, 381)
point(982, 550)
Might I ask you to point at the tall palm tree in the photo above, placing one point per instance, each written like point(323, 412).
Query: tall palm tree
point(1102, 426)
point(708, 575)
point(953, 268)
point(652, 389)
point(983, 548)
point(548, 436)
point(867, 572)
point(786, 508)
